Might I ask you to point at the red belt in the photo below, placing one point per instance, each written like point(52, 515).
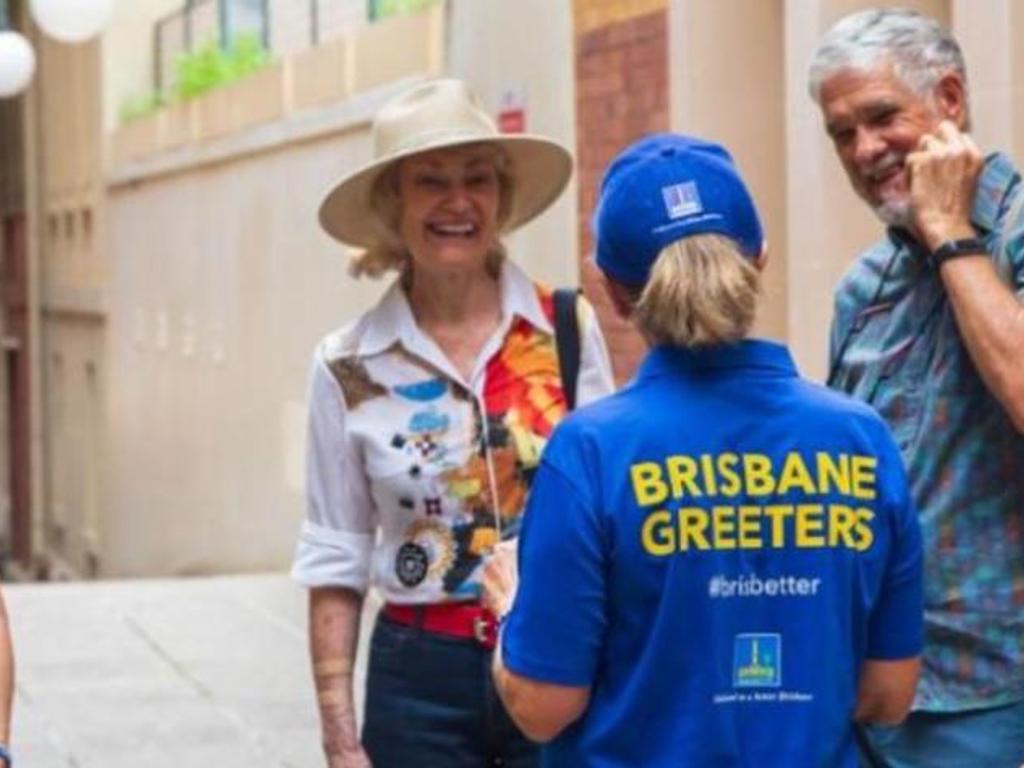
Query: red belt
point(469, 620)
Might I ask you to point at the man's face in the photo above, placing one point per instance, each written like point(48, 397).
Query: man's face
point(875, 120)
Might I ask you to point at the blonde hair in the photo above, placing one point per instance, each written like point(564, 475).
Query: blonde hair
point(702, 290)
point(390, 251)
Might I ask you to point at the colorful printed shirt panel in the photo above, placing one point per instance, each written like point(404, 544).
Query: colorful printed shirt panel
point(714, 551)
point(896, 345)
point(401, 446)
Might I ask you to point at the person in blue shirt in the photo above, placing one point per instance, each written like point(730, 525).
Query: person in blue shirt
point(720, 565)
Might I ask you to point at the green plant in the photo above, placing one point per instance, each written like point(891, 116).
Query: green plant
point(211, 66)
point(199, 71)
point(380, 9)
point(247, 55)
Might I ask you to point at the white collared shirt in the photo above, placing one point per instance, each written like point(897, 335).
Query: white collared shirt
point(413, 472)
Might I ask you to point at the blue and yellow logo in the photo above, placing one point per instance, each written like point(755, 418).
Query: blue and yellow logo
point(757, 661)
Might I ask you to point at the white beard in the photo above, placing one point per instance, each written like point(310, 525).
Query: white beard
point(895, 213)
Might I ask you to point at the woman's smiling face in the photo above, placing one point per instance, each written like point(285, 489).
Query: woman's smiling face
point(449, 207)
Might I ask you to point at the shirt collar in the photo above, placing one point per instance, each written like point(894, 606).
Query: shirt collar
point(998, 177)
point(519, 297)
point(748, 355)
point(392, 320)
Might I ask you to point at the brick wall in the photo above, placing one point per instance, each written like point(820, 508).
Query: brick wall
point(621, 93)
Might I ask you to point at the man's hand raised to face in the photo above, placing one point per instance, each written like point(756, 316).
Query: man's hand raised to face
point(944, 174)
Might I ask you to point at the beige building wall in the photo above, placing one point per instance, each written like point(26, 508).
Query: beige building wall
point(221, 283)
point(128, 52)
point(503, 50)
point(75, 468)
point(993, 44)
point(1016, 93)
point(72, 265)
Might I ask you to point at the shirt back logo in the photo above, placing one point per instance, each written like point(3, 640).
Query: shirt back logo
point(682, 200)
point(757, 661)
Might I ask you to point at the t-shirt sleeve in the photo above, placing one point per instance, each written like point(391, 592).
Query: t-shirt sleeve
point(336, 539)
point(896, 627)
point(555, 630)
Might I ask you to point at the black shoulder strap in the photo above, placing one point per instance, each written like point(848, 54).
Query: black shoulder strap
point(567, 340)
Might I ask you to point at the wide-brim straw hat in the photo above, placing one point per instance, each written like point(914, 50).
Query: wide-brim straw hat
point(441, 114)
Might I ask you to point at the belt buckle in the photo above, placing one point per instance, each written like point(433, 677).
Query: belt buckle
point(484, 630)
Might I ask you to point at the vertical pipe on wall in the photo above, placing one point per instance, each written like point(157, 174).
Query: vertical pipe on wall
point(265, 23)
point(187, 23)
point(158, 67)
point(35, 197)
point(224, 22)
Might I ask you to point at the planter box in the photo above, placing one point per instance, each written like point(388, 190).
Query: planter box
point(398, 47)
point(258, 98)
point(320, 75)
point(178, 125)
point(136, 139)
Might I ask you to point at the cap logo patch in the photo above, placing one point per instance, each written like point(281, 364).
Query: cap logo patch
point(682, 199)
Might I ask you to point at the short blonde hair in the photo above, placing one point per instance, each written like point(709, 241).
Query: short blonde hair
point(702, 290)
point(390, 252)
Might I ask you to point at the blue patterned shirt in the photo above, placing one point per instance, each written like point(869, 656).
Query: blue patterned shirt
point(895, 344)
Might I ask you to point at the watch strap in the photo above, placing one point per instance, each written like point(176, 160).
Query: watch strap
point(951, 249)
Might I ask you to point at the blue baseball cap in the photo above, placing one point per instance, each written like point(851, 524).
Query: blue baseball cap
point(661, 189)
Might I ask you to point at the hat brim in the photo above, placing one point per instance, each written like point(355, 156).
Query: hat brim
point(541, 169)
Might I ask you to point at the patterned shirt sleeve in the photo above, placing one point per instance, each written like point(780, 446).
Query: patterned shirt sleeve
point(336, 539)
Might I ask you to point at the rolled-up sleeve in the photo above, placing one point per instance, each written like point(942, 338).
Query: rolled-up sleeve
point(595, 379)
point(336, 539)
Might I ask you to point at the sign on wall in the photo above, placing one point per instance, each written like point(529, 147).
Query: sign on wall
point(511, 116)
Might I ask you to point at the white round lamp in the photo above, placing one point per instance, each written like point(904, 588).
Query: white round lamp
point(71, 21)
point(17, 63)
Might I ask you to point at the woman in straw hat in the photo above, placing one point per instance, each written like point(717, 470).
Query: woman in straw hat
point(427, 418)
point(721, 557)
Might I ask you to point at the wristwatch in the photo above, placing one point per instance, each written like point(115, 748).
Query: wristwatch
point(968, 246)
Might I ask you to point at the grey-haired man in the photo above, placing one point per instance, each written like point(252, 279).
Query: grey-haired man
point(929, 329)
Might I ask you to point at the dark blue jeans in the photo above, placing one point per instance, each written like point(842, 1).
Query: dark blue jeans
point(430, 701)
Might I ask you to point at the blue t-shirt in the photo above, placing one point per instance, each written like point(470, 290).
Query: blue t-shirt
point(715, 550)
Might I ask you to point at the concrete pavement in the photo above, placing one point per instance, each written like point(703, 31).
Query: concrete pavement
point(190, 673)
